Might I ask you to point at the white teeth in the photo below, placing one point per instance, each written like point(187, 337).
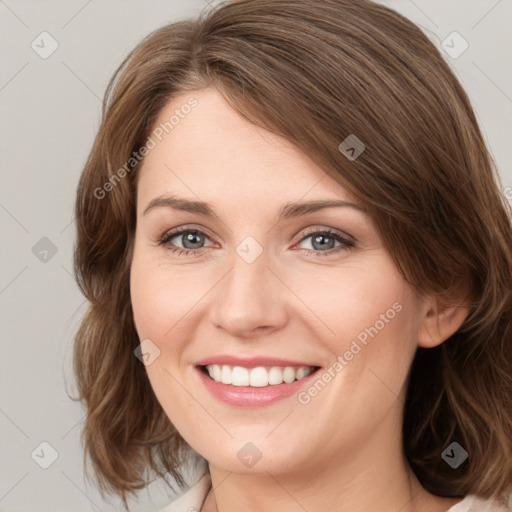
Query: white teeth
point(288, 374)
point(225, 375)
point(240, 376)
point(216, 372)
point(301, 373)
point(275, 375)
point(257, 377)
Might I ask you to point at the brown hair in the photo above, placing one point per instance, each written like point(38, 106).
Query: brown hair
point(314, 72)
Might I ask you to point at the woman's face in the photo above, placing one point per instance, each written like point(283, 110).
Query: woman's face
point(258, 283)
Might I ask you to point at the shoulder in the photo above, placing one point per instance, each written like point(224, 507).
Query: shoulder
point(192, 499)
point(473, 504)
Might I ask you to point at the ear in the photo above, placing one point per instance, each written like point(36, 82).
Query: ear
point(442, 317)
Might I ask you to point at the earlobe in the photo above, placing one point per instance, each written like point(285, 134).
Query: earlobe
point(441, 319)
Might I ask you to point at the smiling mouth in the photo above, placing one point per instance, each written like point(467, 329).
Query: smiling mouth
point(258, 377)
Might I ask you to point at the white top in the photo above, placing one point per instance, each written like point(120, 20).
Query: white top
point(192, 501)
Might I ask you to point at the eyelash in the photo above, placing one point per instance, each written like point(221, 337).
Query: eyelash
point(346, 244)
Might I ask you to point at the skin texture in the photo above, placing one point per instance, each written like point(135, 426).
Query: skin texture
point(342, 450)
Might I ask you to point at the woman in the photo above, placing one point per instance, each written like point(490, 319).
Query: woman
point(299, 268)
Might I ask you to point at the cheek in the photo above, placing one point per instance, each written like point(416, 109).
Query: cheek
point(361, 303)
point(162, 302)
point(370, 321)
point(161, 298)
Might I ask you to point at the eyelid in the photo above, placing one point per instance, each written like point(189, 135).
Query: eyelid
point(171, 233)
point(317, 229)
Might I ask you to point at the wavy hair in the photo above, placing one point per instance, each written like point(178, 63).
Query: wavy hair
point(314, 73)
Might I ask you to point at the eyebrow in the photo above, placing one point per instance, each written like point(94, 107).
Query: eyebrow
point(287, 211)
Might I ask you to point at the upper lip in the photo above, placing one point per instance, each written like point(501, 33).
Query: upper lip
point(250, 362)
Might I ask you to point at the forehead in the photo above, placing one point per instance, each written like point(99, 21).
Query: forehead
point(214, 153)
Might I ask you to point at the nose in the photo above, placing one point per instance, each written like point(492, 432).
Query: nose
point(250, 301)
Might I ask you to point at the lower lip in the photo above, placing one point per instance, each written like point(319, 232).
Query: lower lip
point(247, 396)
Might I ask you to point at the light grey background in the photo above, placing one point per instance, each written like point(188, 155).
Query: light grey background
point(49, 113)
